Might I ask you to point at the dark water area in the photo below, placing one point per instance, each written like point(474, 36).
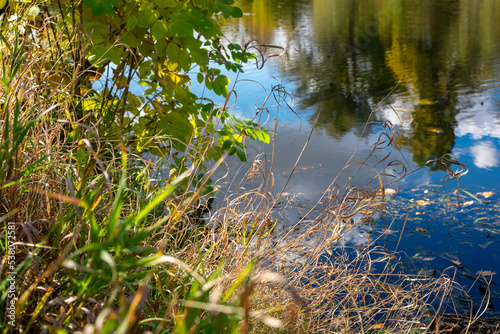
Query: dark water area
point(431, 68)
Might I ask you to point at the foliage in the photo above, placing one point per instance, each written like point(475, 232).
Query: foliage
point(136, 60)
point(106, 241)
point(161, 43)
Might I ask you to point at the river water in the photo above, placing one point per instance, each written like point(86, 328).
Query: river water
point(431, 68)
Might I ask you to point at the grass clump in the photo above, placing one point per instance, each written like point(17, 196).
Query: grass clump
point(110, 239)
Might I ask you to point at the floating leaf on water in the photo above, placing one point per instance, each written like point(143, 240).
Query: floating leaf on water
point(419, 213)
point(429, 258)
point(422, 202)
point(386, 191)
point(485, 194)
point(419, 229)
point(452, 259)
point(387, 231)
point(480, 219)
point(486, 244)
point(428, 272)
point(485, 273)
point(453, 204)
point(433, 129)
point(468, 203)
point(492, 231)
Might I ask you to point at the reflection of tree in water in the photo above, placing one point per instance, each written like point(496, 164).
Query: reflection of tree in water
point(425, 62)
point(268, 15)
point(343, 87)
point(357, 51)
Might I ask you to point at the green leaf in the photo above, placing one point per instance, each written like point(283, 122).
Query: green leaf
point(161, 47)
point(159, 29)
point(226, 12)
point(96, 55)
point(98, 7)
point(115, 54)
point(226, 145)
point(241, 154)
point(236, 12)
point(181, 28)
point(97, 28)
point(131, 22)
point(184, 60)
point(263, 136)
point(129, 39)
point(200, 77)
point(214, 153)
point(118, 202)
point(217, 88)
point(241, 277)
point(173, 52)
point(177, 125)
point(223, 80)
point(142, 21)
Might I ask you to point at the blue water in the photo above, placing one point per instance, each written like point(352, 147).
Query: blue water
point(434, 76)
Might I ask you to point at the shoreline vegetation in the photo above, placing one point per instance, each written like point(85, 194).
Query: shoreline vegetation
point(106, 210)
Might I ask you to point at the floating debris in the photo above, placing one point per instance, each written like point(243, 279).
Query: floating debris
point(386, 191)
point(486, 273)
point(431, 272)
point(485, 194)
point(426, 102)
point(453, 259)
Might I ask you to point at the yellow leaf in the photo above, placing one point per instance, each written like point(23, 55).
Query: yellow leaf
point(178, 78)
point(378, 326)
point(426, 102)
